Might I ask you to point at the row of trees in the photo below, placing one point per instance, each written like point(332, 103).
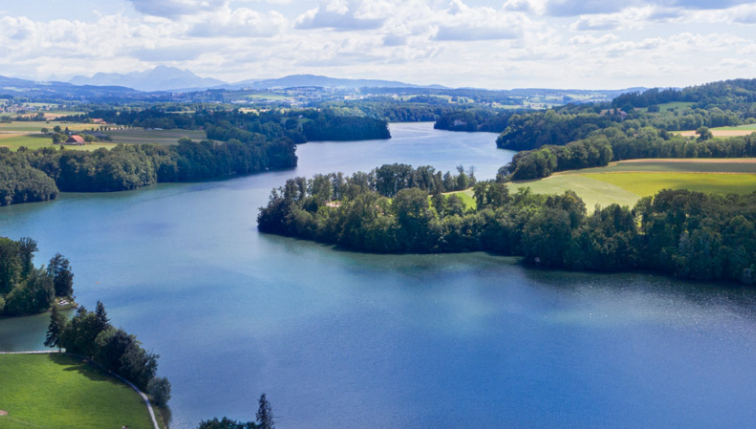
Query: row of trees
point(534, 164)
point(90, 334)
point(26, 289)
point(691, 235)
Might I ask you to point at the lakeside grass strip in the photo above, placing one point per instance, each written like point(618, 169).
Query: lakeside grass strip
point(59, 391)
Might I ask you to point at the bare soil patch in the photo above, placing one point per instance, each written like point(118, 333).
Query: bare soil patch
point(3, 413)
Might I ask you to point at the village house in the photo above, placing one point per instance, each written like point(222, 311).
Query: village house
point(75, 140)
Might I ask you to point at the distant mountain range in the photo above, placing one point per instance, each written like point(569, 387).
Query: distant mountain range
point(161, 78)
point(158, 83)
point(298, 80)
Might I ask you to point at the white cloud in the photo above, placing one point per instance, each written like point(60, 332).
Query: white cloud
point(343, 15)
point(175, 8)
point(242, 22)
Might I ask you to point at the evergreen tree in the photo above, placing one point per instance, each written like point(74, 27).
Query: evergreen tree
point(60, 270)
point(102, 321)
point(56, 328)
point(27, 247)
point(265, 414)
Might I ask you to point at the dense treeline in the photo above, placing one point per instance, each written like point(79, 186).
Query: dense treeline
point(535, 164)
point(26, 289)
point(90, 334)
point(393, 110)
point(736, 94)
point(612, 144)
point(264, 420)
point(687, 234)
point(474, 120)
point(22, 183)
point(345, 128)
point(526, 131)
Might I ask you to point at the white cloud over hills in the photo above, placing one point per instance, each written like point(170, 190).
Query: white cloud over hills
point(498, 44)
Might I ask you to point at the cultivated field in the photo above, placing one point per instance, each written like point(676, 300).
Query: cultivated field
point(720, 132)
point(646, 184)
point(162, 137)
point(58, 391)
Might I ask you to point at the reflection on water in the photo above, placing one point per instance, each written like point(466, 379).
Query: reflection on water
point(341, 339)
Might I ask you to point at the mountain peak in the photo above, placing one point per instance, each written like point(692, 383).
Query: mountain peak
point(160, 78)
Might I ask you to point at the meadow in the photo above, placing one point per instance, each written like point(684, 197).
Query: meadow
point(59, 391)
point(36, 126)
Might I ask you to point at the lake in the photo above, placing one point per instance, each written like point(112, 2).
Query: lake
point(346, 340)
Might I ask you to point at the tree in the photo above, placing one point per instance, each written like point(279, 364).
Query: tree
point(265, 414)
point(55, 329)
point(159, 389)
point(44, 130)
point(704, 133)
point(27, 247)
point(101, 318)
point(60, 270)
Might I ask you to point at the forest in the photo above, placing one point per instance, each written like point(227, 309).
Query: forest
point(27, 289)
point(686, 234)
point(474, 120)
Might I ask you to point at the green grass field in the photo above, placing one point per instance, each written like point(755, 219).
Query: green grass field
point(162, 137)
point(59, 392)
point(724, 165)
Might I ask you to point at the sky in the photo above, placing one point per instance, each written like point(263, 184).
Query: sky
point(586, 44)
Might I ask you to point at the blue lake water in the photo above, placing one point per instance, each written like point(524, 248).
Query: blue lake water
point(347, 340)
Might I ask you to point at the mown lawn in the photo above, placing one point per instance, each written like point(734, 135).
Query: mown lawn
point(59, 392)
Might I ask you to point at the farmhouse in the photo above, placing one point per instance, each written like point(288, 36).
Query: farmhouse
point(75, 140)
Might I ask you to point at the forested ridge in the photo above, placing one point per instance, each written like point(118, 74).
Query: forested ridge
point(474, 120)
point(687, 234)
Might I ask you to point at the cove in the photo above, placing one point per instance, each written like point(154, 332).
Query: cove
point(347, 340)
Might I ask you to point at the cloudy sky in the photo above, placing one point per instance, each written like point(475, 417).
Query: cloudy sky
point(596, 44)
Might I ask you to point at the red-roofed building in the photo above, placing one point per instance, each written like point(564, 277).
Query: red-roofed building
point(75, 140)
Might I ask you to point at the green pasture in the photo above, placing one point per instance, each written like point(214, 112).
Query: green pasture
point(37, 141)
point(59, 392)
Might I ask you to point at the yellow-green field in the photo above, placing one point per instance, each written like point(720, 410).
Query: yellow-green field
point(36, 126)
point(59, 392)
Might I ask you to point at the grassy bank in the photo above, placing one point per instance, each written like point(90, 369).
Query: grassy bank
point(58, 391)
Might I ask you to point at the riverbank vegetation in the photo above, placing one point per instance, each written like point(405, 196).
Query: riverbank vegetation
point(26, 289)
point(63, 392)
point(688, 234)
